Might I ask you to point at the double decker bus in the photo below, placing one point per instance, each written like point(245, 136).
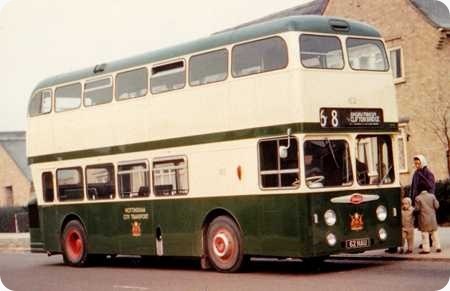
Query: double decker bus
point(274, 140)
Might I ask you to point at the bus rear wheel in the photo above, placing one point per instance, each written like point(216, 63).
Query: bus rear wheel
point(224, 245)
point(74, 244)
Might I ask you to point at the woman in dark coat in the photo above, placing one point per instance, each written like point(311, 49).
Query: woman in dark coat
point(422, 174)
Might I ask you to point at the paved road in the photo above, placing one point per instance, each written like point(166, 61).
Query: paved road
point(35, 272)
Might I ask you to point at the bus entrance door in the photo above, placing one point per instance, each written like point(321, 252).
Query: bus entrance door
point(135, 229)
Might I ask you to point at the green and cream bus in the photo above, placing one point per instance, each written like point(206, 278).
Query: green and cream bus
point(278, 139)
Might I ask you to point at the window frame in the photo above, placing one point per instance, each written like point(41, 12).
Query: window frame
point(67, 85)
point(372, 159)
point(365, 70)
point(185, 71)
point(111, 83)
point(206, 53)
point(321, 35)
point(331, 138)
point(115, 86)
point(286, 50)
point(80, 170)
point(403, 169)
point(279, 171)
point(113, 176)
point(400, 79)
point(168, 159)
point(51, 102)
point(44, 196)
point(148, 179)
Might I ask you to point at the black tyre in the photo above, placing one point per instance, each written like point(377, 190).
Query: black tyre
point(74, 244)
point(224, 245)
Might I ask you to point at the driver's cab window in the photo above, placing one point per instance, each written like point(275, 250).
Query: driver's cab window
point(327, 163)
point(374, 160)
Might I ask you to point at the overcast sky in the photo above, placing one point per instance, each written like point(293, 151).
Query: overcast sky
point(42, 38)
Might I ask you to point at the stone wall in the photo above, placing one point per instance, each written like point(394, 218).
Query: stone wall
point(11, 175)
point(425, 90)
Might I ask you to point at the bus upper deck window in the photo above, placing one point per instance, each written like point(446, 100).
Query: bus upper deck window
point(98, 91)
point(131, 84)
point(68, 97)
point(321, 52)
point(168, 77)
point(259, 56)
point(367, 54)
point(327, 163)
point(208, 68)
point(40, 103)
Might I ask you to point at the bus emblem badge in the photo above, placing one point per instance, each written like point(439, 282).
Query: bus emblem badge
point(356, 222)
point(136, 229)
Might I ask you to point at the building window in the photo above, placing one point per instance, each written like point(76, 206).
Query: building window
point(100, 182)
point(41, 103)
point(275, 171)
point(9, 196)
point(98, 91)
point(133, 179)
point(208, 68)
point(259, 56)
point(402, 157)
point(396, 60)
point(47, 186)
point(131, 84)
point(321, 52)
point(68, 97)
point(70, 184)
point(170, 176)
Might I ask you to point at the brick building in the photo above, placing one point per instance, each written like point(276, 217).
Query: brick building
point(417, 35)
point(15, 177)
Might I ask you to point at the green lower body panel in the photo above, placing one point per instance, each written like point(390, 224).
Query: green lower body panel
point(279, 225)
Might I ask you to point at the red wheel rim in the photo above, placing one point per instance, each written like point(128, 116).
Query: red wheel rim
point(74, 245)
point(224, 245)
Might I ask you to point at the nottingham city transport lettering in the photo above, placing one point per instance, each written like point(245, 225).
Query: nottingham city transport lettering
point(135, 213)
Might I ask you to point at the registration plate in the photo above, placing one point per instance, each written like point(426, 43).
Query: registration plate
point(357, 243)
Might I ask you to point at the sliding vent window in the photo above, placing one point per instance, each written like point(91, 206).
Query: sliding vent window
point(131, 84)
point(40, 103)
point(68, 97)
point(98, 92)
point(367, 54)
point(70, 184)
point(133, 180)
point(168, 77)
point(208, 68)
point(259, 56)
point(327, 163)
point(374, 160)
point(100, 182)
point(321, 52)
point(170, 177)
point(276, 171)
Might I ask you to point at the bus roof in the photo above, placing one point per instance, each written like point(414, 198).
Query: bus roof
point(307, 23)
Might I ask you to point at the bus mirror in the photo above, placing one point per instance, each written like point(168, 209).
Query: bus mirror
point(283, 152)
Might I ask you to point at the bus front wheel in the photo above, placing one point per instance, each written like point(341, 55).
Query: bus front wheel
point(74, 244)
point(224, 245)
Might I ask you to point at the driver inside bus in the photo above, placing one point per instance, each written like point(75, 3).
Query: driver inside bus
point(313, 172)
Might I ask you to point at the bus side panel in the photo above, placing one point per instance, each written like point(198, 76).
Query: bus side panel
point(101, 225)
point(50, 228)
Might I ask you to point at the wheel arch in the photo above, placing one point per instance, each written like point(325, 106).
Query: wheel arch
point(69, 217)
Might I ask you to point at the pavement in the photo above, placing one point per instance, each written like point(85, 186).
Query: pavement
point(20, 242)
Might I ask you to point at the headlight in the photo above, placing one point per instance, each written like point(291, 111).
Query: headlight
point(382, 234)
point(331, 239)
point(330, 217)
point(381, 213)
